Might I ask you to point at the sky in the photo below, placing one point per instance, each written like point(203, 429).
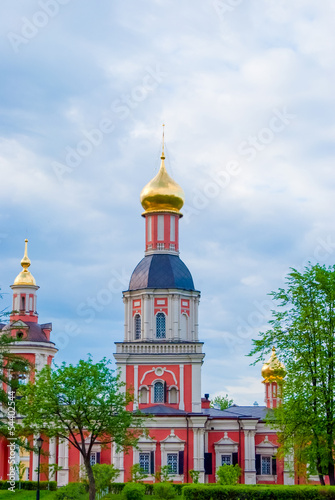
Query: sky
point(246, 92)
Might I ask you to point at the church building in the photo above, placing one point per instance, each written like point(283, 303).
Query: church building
point(160, 358)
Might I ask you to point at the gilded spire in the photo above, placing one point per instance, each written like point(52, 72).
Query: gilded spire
point(163, 154)
point(162, 193)
point(25, 277)
point(273, 369)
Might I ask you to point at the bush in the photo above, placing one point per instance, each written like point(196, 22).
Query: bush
point(228, 474)
point(164, 491)
point(134, 491)
point(258, 492)
point(30, 485)
point(72, 491)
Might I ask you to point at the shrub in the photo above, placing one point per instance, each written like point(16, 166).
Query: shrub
point(137, 473)
point(228, 474)
point(30, 485)
point(164, 491)
point(72, 491)
point(134, 491)
point(257, 492)
point(194, 476)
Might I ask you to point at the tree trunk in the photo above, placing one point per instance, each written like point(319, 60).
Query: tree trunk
point(331, 474)
point(91, 480)
point(322, 480)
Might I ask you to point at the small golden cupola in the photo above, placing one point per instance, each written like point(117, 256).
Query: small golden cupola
point(273, 369)
point(25, 278)
point(162, 193)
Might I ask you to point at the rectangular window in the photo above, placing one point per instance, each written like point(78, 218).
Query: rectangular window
point(145, 462)
point(266, 465)
point(226, 459)
point(93, 458)
point(160, 246)
point(160, 227)
point(172, 228)
point(172, 462)
point(172, 246)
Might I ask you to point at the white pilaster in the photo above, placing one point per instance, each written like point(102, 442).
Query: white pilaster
point(52, 457)
point(135, 387)
point(196, 387)
point(181, 388)
point(63, 461)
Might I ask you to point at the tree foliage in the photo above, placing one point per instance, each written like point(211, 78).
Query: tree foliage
point(302, 330)
point(13, 369)
point(222, 401)
point(83, 404)
point(228, 474)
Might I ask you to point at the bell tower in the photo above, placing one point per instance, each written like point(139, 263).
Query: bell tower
point(273, 372)
point(161, 356)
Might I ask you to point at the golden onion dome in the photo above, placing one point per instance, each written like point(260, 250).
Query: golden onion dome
point(25, 277)
point(162, 193)
point(273, 369)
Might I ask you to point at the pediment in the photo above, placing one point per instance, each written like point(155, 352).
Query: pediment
point(172, 438)
point(226, 441)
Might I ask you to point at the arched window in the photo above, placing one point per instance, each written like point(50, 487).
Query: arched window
point(173, 395)
point(144, 395)
point(184, 327)
point(159, 392)
point(137, 321)
point(160, 326)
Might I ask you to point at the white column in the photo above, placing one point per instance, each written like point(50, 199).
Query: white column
point(135, 387)
point(195, 319)
point(249, 450)
point(195, 448)
point(35, 459)
point(63, 461)
point(181, 388)
point(289, 470)
point(175, 317)
point(52, 457)
point(146, 317)
point(196, 387)
point(118, 463)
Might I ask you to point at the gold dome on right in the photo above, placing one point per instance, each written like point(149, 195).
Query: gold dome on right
point(273, 369)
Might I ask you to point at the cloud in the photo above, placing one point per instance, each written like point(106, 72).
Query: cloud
point(223, 78)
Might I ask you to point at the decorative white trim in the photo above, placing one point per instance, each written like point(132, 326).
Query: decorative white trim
point(225, 446)
point(159, 371)
point(266, 448)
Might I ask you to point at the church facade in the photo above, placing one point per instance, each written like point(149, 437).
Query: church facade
point(160, 358)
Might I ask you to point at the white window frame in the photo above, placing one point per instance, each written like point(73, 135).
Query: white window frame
point(140, 394)
point(144, 445)
point(173, 444)
point(226, 446)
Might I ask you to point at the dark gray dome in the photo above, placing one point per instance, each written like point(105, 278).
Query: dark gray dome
point(161, 271)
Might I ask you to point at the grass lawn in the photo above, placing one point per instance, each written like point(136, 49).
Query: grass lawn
point(26, 495)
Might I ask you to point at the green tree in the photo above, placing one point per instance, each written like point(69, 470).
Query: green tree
point(137, 474)
point(228, 474)
point(83, 404)
point(104, 475)
point(13, 369)
point(222, 401)
point(302, 330)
